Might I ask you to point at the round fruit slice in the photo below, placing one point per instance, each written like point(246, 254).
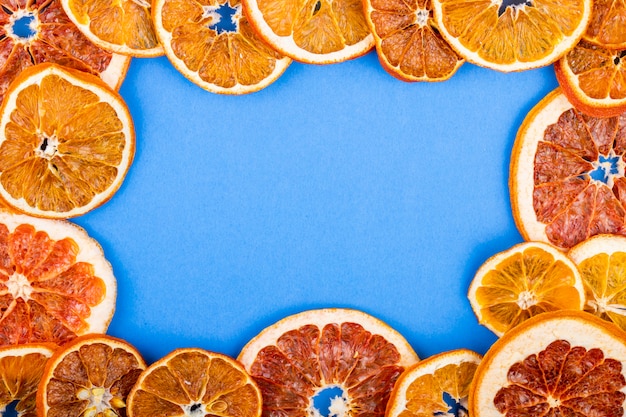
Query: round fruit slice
point(556, 364)
point(339, 355)
point(195, 382)
point(512, 35)
point(606, 27)
point(39, 31)
point(67, 142)
point(594, 79)
point(437, 386)
point(22, 367)
point(567, 174)
point(528, 279)
point(601, 261)
point(90, 376)
point(214, 46)
point(312, 31)
point(408, 43)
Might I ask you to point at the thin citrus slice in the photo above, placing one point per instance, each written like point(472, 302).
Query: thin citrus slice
point(607, 26)
point(594, 79)
point(89, 376)
point(408, 44)
point(195, 382)
point(213, 45)
point(565, 363)
point(528, 279)
point(67, 142)
point(601, 261)
point(21, 369)
point(33, 32)
point(344, 356)
point(124, 26)
point(567, 174)
point(512, 35)
point(312, 31)
point(55, 282)
point(436, 386)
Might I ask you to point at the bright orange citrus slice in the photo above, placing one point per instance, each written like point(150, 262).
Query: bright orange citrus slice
point(67, 142)
point(436, 386)
point(89, 376)
point(512, 35)
point(566, 363)
point(342, 356)
point(606, 27)
point(567, 174)
point(32, 32)
point(213, 45)
point(521, 282)
point(195, 382)
point(55, 282)
point(408, 44)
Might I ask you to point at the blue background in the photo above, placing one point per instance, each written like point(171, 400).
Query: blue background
point(335, 186)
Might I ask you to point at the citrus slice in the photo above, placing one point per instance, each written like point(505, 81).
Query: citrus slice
point(312, 31)
point(213, 46)
point(55, 282)
point(436, 386)
point(21, 368)
point(89, 376)
point(34, 32)
point(567, 174)
point(594, 79)
point(195, 382)
point(124, 26)
point(343, 356)
point(67, 142)
point(606, 27)
point(512, 35)
point(408, 44)
point(528, 279)
point(565, 363)
point(601, 261)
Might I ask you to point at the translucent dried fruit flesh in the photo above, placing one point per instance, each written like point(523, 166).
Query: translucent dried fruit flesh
point(607, 26)
point(20, 373)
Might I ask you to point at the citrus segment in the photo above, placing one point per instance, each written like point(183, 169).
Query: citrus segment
point(567, 174)
point(528, 279)
point(195, 382)
point(68, 141)
point(565, 363)
point(607, 26)
point(512, 35)
point(304, 355)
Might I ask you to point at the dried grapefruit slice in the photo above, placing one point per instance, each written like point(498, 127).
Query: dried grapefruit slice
point(436, 386)
point(567, 174)
point(195, 382)
point(345, 356)
point(67, 142)
point(89, 376)
point(55, 282)
point(564, 363)
point(528, 279)
point(512, 35)
point(607, 25)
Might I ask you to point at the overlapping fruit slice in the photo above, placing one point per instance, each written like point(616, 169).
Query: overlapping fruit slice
point(606, 27)
point(345, 356)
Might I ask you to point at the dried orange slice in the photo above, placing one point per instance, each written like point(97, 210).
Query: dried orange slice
point(606, 27)
point(564, 363)
point(343, 357)
point(21, 370)
point(55, 282)
point(408, 43)
point(195, 382)
point(567, 174)
point(213, 45)
point(67, 142)
point(436, 386)
point(32, 32)
point(312, 31)
point(512, 35)
point(90, 376)
point(528, 279)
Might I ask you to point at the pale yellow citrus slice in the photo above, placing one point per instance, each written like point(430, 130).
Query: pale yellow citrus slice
point(607, 26)
point(67, 142)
